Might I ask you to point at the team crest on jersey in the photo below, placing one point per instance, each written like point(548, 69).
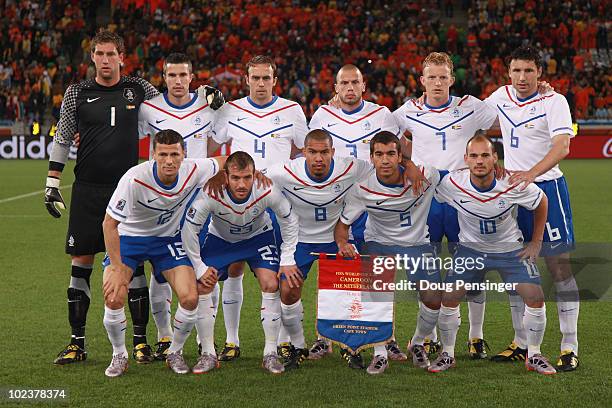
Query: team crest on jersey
point(129, 94)
point(120, 205)
point(197, 121)
point(276, 120)
point(255, 212)
point(71, 241)
point(367, 126)
point(337, 188)
point(532, 110)
point(191, 213)
point(456, 112)
point(502, 204)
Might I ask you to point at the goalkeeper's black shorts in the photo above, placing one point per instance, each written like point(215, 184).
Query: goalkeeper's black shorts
point(87, 209)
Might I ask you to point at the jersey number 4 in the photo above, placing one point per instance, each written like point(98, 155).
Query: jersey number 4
point(259, 150)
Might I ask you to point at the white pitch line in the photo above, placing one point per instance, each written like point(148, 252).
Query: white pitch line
point(33, 193)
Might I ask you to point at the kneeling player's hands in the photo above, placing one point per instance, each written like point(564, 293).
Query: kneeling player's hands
point(115, 278)
point(347, 250)
point(213, 96)
point(531, 252)
point(53, 198)
point(210, 277)
point(292, 274)
point(262, 180)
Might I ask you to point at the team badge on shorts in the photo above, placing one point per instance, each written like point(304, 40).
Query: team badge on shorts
point(129, 94)
point(191, 213)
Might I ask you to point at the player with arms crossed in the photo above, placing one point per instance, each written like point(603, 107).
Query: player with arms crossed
point(490, 239)
point(440, 128)
point(193, 117)
point(270, 129)
point(390, 204)
point(352, 122)
point(142, 223)
point(536, 132)
point(241, 230)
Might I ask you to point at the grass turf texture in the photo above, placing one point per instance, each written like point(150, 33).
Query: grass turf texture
point(34, 327)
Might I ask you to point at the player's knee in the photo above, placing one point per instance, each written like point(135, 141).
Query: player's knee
point(189, 301)
point(290, 296)
point(235, 270)
point(269, 284)
point(116, 303)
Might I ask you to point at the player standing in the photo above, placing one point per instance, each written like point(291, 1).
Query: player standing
point(536, 132)
point(490, 239)
point(142, 223)
point(352, 122)
point(192, 117)
point(241, 230)
point(441, 127)
point(270, 129)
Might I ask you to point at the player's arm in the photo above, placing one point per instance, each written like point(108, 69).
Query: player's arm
point(300, 130)
point(117, 275)
point(559, 150)
point(352, 210)
point(289, 227)
point(532, 250)
point(194, 220)
point(341, 236)
point(66, 130)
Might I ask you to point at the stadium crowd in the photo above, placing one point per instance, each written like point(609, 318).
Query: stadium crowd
point(45, 46)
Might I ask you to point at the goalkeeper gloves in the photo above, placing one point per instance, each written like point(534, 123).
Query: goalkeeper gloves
point(213, 96)
point(53, 199)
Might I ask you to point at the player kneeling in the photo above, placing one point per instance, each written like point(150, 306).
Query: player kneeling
point(241, 230)
point(396, 225)
point(143, 223)
point(490, 239)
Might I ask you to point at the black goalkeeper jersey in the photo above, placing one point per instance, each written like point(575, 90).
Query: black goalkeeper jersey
point(106, 118)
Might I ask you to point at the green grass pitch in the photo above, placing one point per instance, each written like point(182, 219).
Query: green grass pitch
point(34, 327)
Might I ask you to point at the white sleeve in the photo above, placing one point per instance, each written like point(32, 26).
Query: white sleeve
point(485, 115)
point(315, 121)
point(529, 198)
point(120, 205)
point(559, 116)
point(353, 206)
point(144, 128)
point(276, 173)
point(432, 175)
point(400, 119)
point(389, 123)
point(362, 168)
point(208, 168)
point(194, 220)
point(300, 128)
point(289, 226)
point(219, 129)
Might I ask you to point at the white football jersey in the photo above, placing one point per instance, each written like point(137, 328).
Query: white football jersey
point(263, 131)
point(147, 208)
point(528, 126)
point(487, 219)
point(440, 134)
point(352, 131)
point(396, 216)
point(194, 121)
point(317, 203)
point(235, 221)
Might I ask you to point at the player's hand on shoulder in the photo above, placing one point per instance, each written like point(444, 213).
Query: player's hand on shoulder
point(213, 96)
point(53, 198)
point(544, 88)
point(214, 186)
point(347, 250)
point(262, 180)
point(522, 177)
point(335, 102)
point(421, 99)
point(292, 274)
point(414, 175)
point(210, 277)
